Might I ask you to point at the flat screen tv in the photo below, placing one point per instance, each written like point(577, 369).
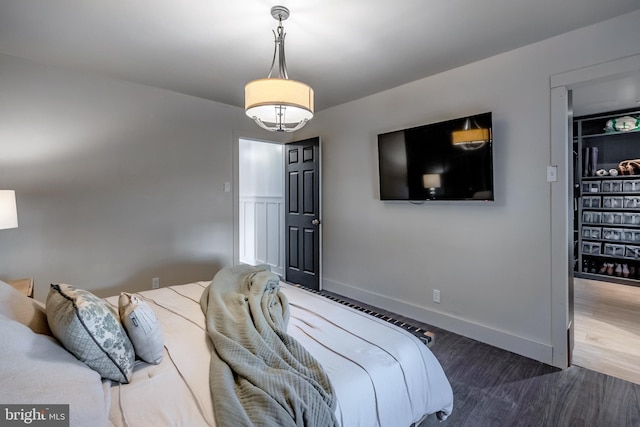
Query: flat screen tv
point(451, 160)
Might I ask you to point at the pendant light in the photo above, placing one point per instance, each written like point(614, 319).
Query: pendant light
point(277, 103)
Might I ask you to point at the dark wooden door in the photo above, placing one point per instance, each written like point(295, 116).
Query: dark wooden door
point(302, 212)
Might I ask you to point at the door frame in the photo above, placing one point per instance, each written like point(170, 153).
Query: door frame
point(561, 251)
point(276, 138)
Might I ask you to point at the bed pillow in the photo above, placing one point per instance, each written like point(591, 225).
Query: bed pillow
point(142, 326)
point(90, 329)
point(19, 307)
point(36, 370)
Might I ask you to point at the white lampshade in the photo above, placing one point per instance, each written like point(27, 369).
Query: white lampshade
point(431, 180)
point(280, 104)
point(8, 210)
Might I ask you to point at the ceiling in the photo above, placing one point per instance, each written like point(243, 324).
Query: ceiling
point(344, 49)
point(621, 93)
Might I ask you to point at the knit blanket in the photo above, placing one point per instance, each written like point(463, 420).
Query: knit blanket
point(259, 375)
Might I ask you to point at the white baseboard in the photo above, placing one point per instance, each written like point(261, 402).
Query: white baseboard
point(497, 338)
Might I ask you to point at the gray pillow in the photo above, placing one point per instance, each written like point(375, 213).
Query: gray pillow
point(142, 326)
point(90, 329)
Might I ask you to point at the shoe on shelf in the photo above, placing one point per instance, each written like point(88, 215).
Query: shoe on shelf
point(625, 270)
point(603, 268)
point(610, 269)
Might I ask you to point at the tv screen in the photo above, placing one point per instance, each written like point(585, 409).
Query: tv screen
point(450, 160)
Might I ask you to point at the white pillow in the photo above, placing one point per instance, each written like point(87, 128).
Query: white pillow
point(36, 370)
point(142, 326)
point(90, 329)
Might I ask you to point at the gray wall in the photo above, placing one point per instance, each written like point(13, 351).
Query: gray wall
point(491, 261)
point(115, 182)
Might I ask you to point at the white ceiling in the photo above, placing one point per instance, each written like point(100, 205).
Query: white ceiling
point(344, 49)
point(609, 95)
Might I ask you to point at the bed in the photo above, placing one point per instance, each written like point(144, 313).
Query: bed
point(382, 375)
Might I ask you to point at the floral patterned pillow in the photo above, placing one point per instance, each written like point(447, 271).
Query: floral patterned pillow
point(90, 329)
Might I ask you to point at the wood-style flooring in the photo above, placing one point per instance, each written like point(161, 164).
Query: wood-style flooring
point(497, 388)
point(607, 328)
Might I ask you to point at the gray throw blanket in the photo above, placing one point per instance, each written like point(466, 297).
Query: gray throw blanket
point(259, 375)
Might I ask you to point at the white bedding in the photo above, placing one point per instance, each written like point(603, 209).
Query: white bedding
point(382, 375)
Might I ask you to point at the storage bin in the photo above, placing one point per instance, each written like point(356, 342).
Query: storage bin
point(590, 217)
point(632, 202)
point(591, 201)
point(627, 235)
point(632, 218)
point(611, 233)
point(612, 217)
point(632, 251)
point(591, 187)
point(631, 185)
point(591, 248)
point(611, 186)
point(613, 249)
point(611, 202)
point(591, 232)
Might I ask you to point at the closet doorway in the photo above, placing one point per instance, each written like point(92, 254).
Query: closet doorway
point(606, 321)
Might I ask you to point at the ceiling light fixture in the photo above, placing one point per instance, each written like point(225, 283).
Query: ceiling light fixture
point(470, 138)
point(278, 104)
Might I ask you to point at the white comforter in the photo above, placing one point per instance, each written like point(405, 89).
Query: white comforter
point(382, 375)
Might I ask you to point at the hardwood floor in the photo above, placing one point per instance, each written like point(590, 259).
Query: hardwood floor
point(607, 328)
point(497, 388)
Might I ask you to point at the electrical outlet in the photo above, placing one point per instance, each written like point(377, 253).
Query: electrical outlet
point(155, 283)
point(436, 296)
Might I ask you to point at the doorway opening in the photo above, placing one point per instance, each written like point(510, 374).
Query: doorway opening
point(278, 208)
point(600, 314)
point(261, 204)
point(562, 86)
point(606, 285)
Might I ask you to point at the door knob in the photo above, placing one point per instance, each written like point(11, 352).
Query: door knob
point(315, 221)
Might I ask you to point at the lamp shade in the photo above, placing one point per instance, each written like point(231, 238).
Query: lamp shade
point(470, 136)
point(8, 210)
point(279, 103)
point(431, 180)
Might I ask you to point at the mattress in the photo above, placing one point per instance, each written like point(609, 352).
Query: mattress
point(382, 375)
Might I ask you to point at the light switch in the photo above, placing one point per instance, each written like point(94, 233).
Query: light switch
point(227, 186)
point(552, 173)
